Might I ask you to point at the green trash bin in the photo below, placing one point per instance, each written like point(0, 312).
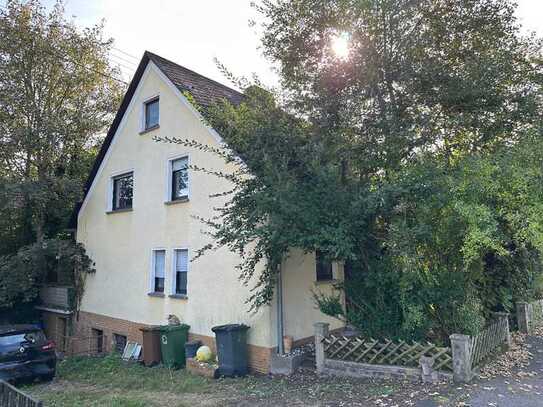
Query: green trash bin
point(172, 344)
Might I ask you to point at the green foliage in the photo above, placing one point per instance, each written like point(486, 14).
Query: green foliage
point(22, 273)
point(420, 74)
point(462, 240)
point(415, 159)
point(57, 93)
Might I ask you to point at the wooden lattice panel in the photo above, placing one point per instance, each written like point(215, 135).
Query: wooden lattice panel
point(488, 341)
point(385, 352)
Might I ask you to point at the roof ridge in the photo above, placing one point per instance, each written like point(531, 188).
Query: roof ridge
point(153, 55)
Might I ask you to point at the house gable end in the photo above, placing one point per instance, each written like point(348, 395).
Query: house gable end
point(146, 65)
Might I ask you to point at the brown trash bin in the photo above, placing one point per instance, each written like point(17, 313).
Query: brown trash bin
point(151, 345)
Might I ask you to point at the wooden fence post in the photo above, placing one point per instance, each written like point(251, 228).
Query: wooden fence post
point(321, 331)
point(523, 317)
point(505, 317)
point(461, 354)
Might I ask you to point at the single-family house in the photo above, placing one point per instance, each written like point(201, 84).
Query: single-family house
point(138, 223)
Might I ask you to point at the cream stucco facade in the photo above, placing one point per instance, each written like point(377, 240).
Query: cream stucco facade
point(121, 243)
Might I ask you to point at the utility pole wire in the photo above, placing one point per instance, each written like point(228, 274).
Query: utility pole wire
point(67, 59)
point(126, 53)
point(122, 59)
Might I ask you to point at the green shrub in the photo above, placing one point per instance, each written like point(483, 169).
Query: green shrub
point(452, 242)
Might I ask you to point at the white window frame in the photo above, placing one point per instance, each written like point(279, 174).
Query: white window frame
point(173, 271)
point(142, 112)
point(151, 282)
point(169, 174)
point(109, 192)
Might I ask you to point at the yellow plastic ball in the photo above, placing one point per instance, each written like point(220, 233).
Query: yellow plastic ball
point(203, 354)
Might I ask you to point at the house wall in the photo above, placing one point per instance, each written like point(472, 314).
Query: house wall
point(121, 243)
point(116, 297)
point(299, 283)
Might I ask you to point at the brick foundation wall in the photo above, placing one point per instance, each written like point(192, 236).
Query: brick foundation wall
point(259, 356)
point(87, 321)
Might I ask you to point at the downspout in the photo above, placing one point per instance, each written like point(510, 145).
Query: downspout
point(280, 345)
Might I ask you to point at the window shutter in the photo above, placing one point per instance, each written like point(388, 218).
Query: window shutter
point(181, 261)
point(160, 260)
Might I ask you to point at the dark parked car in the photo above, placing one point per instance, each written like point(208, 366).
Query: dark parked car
point(25, 353)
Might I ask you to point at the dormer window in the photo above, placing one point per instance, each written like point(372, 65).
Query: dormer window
point(151, 114)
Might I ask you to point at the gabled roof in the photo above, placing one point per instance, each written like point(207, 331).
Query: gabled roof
point(205, 92)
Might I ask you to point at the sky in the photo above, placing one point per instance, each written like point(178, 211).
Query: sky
point(195, 32)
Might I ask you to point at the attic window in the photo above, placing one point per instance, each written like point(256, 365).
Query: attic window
point(151, 114)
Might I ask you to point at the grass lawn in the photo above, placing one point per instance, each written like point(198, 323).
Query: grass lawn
point(108, 381)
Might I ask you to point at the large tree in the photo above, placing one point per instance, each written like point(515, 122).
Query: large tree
point(58, 92)
point(454, 75)
point(428, 92)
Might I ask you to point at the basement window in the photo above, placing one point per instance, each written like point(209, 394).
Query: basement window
point(120, 342)
point(98, 336)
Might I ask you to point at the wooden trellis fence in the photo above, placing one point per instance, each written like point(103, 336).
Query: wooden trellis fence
point(386, 352)
point(358, 356)
point(486, 342)
point(10, 396)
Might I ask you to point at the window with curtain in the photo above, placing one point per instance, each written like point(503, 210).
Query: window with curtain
point(323, 267)
point(180, 178)
point(159, 265)
point(181, 269)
